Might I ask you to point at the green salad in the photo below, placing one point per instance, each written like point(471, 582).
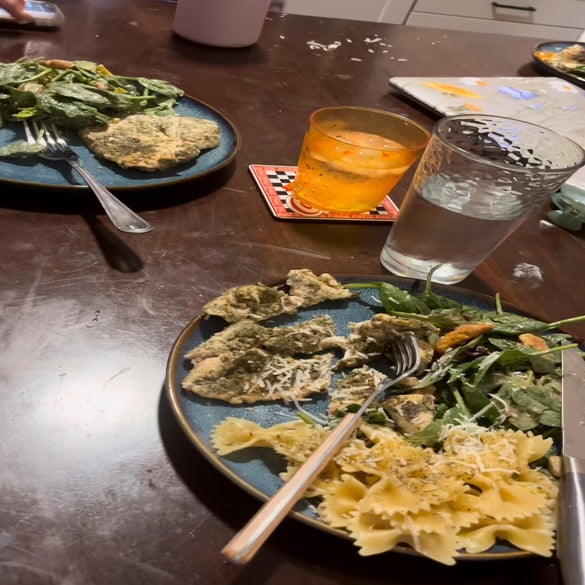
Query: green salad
point(75, 94)
point(509, 376)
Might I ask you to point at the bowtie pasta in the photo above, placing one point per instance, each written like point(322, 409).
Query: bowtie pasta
point(384, 491)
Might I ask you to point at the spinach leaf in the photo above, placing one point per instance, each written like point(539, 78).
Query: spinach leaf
point(11, 73)
point(160, 87)
point(434, 301)
point(532, 406)
point(78, 92)
point(22, 98)
point(512, 324)
point(480, 404)
point(69, 114)
point(431, 435)
point(544, 361)
point(395, 299)
point(448, 318)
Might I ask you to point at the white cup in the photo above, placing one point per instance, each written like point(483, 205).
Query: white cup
point(221, 23)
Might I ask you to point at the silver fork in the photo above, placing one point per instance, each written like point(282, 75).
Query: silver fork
point(404, 353)
point(56, 148)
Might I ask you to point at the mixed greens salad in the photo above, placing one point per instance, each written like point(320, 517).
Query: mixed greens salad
point(75, 94)
point(495, 379)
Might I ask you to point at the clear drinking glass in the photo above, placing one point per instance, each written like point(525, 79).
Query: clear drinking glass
point(479, 178)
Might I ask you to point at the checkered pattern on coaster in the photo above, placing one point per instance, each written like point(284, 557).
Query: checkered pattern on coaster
point(271, 181)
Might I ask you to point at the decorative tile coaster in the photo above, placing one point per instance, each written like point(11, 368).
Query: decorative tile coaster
point(272, 180)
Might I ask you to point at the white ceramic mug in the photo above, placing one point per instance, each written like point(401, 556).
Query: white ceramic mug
point(221, 23)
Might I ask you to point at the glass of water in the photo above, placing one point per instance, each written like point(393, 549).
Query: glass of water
point(479, 178)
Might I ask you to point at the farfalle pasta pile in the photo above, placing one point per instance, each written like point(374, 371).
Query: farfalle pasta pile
point(384, 491)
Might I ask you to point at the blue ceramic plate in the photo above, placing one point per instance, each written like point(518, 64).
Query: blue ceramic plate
point(557, 47)
point(35, 172)
point(255, 469)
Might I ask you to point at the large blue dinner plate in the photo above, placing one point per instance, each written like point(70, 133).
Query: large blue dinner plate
point(557, 47)
point(256, 470)
point(36, 172)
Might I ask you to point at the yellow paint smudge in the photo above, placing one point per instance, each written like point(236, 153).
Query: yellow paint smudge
point(473, 107)
point(453, 90)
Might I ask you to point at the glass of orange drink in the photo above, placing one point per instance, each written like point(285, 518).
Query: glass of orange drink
point(352, 157)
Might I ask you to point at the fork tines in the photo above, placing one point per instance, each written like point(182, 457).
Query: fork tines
point(403, 350)
point(30, 138)
point(47, 134)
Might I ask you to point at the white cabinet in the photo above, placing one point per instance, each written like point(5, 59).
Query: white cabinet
point(562, 20)
point(391, 11)
point(547, 19)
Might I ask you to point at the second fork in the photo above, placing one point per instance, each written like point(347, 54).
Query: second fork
point(55, 148)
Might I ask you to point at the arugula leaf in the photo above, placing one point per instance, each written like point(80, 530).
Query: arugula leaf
point(446, 365)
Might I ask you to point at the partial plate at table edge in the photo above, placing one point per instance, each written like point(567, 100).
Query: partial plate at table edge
point(556, 47)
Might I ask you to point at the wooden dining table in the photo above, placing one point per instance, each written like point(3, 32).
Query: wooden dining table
point(99, 484)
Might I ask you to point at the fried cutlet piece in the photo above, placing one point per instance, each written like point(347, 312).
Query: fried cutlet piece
point(246, 362)
point(233, 340)
point(309, 289)
point(411, 412)
point(306, 338)
point(259, 302)
point(369, 339)
point(256, 302)
point(257, 376)
point(151, 143)
point(353, 389)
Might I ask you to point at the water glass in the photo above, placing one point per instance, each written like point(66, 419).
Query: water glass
point(479, 178)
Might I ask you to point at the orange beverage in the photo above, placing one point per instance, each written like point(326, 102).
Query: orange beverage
point(352, 158)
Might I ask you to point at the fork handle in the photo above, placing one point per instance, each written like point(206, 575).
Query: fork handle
point(249, 539)
point(120, 215)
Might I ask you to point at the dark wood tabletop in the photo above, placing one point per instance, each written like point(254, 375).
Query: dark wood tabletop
point(98, 483)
